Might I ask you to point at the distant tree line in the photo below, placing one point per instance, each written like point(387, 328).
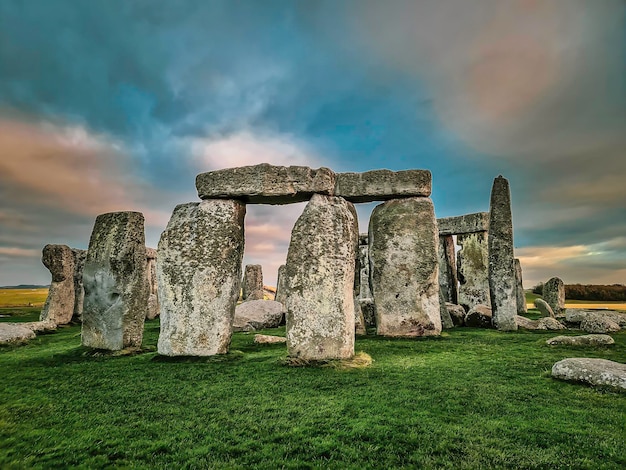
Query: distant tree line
point(590, 291)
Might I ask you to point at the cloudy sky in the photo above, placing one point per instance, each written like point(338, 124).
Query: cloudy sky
point(110, 105)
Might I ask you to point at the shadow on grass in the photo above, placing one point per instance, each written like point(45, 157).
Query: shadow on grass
point(231, 356)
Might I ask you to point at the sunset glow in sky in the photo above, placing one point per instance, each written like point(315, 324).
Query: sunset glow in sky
point(110, 105)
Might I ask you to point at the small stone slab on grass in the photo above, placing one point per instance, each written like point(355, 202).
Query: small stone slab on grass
point(15, 333)
point(597, 372)
point(269, 339)
point(585, 340)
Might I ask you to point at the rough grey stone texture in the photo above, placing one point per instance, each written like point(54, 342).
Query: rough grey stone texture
point(281, 286)
point(546, 323)
point(114, 278)
point(501, 265)
point(15, 333)
point(457, 314)
point(40, 326)
point(320, 279)
point(359, 319)
point(554, 295)
point(473, 270)
point(258, 314)
point(268, 339)
point(152, 309)
point(446, 319)
point(468, 223)
point(597, 372)
point(519, 289)
point(585, 340)
point(598, 323)
point(198, 276)
point(364, 270)
point(382, 185)
point(79, 289)
point(448, 278)
point(404, 268)
point(369, 312)
point(266, 184)
point(575, 316)
point(252, 286)
point(479, 316)
point(59, 306)
point(544, 308)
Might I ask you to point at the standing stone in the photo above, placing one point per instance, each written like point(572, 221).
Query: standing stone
point(519, 289)
point(198, 277)
point(404, 269)
point(448, 278)
point(252, 283)
point(320, 280)
point(501, 266)
point(554, 294)
point(364, 268)
point(281, 286)
point(59, 306)
point(544, 308)
point(446, 319)
point(79, 289)
point(114, 277)
point(152, 310)
point(473, 270)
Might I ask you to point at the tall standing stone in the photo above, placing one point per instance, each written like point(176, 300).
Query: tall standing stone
point(364, 268)
point(404, 269)
point(448, 278)
point(281, 285)
point(554, 295)
point(79, 290)
point(59, 306)
point(198, 277)
point(519, 289)
point(320, 279)
point(252, 288)
point(114, 278)
point(152, 310)
point(502, 283)
point(473, 270)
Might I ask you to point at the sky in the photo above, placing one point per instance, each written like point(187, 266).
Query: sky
point(113, 105)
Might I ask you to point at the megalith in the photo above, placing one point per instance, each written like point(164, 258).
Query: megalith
point(502, 284)
point(59, 306)
point(404, 267)
point(281, 285)
point(152, 309)
point(448, 278)
point(252, 288)
point(114, 279)
point(198, 277)
point(79, 290)
point(519, 289)
point(363, 266)
point(320, 280)
point(554, 295)
point(473, 270)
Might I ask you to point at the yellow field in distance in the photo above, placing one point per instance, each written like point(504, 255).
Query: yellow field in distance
point(23, 297)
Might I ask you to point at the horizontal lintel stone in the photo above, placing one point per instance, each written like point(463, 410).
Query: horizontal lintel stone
point(468, 223)
point(266, 184)
point(382, 185)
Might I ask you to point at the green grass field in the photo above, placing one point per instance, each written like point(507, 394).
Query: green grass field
point(470, 399)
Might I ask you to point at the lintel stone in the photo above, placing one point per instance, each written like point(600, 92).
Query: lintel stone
point(462, 224)
point(382, 185)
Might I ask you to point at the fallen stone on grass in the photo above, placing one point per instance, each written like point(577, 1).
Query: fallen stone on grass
point(479, 317)
point(599, 323)
point(15, 333)
point(40, 326)
point(584, 340)
point(269, 339)
point(457, 313)
point(595, 372)
point(546, 323)
point(575, 316)
point(258, 314)
point(544, 308)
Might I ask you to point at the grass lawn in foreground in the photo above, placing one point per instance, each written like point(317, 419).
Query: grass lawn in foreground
point(470, 399)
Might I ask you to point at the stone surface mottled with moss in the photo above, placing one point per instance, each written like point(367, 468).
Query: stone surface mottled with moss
point(114, 279)
point(404, 268)
point(257, 315)
point(265, 183)
point(198, 277)
point(544, 308)
point(479, 316)
point(448, 275)
point(59, 306)
point(79, 290)
point(520, 295)
point(320, 280)
point(462, 224)
point(252, 285)
point(554, 295)
point(152, 309)
point(382, 185)
point(502, 284)
point(583, 340)
point(596, 372)
point(473, 270)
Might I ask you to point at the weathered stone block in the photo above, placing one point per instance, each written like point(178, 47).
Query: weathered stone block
point(502, 283)
point(592, 372)
point(382, 185)
point(59, 306)
point(457, 314)
point(554, 294)
point(79, 289)
point(266, 184)
point(584, 340)
point(599, 323)
point(258, 314)
point(198, 277)
point(462, 224)
point(252, 288)
point(479, 316)
point(404, 269)
point(448, 277)
point(544, 308)
point(520, 295)
point(320, 280)
point(114, 278)
point(152, 310)
point(473, 270)
point(281, 285)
